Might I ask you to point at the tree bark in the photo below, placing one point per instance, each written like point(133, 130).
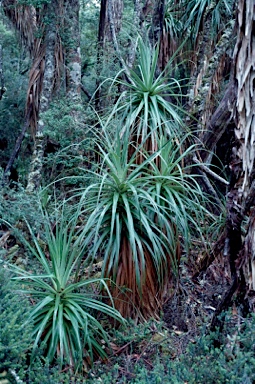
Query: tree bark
point(157, 22)
point(16, 150)
point(114, 11)
point(110, 23)
point(219, 121)
point(100, 50)
point(241, 196)
point(34, 177)
point(73, 53)
point(245, 132)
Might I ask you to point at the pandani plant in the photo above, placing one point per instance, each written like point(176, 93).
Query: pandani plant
point(64, 313)
point(151, 104)
point(137, 219)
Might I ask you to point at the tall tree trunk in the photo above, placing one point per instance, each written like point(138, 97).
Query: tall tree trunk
point(114, 12)
point(100, 50)
point(73, 53)
point(34, 177)
point(110, 23)
point(241, 196)
point(245, 134)
point(157, 22)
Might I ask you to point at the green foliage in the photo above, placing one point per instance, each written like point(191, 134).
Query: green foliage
point(233, 362)
point(34, 3)
point(196, 10)
point(15, 332)
point(127, 198)
point(15, 204)
point(42, 372)
point(68, 138)
point(13, 102)
point(63, 315)
point(150, 102)
point(62, 122)
point(172, 22)
point(151, 205)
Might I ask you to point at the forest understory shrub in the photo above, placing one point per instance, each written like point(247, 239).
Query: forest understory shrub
point(65, 303)
point(137, 218)
point(153, 358)
point(15, 332)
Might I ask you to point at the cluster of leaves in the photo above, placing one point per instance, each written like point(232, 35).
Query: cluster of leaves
point(16, 340)
point(15, 204)
point(13, 102)
point(15, 333)
point(151, 205)
point(151, 103)
point(188, 16)
point(64, 305)
point(142, 193)
point(69, 140)
point(195, 11)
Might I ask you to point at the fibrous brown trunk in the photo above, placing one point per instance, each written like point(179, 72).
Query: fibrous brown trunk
point(139, 301)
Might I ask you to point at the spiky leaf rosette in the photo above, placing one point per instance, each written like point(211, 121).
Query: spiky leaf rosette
point(63, 316)
point(135, 216)
point(150, 104)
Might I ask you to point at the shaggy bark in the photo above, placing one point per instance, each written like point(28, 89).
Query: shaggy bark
point(113, 12)
point(34, 177)
point(245, 132)
point(137, 27)
point(73, 53)
point(24, 20)
point(241, 197)
point(100, 50)
point(157, 22)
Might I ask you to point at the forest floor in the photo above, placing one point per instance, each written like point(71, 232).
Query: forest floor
point(187, 313)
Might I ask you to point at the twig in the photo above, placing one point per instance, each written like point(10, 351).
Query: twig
point(85, 91)
point(209, 171)
point(207, 184)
